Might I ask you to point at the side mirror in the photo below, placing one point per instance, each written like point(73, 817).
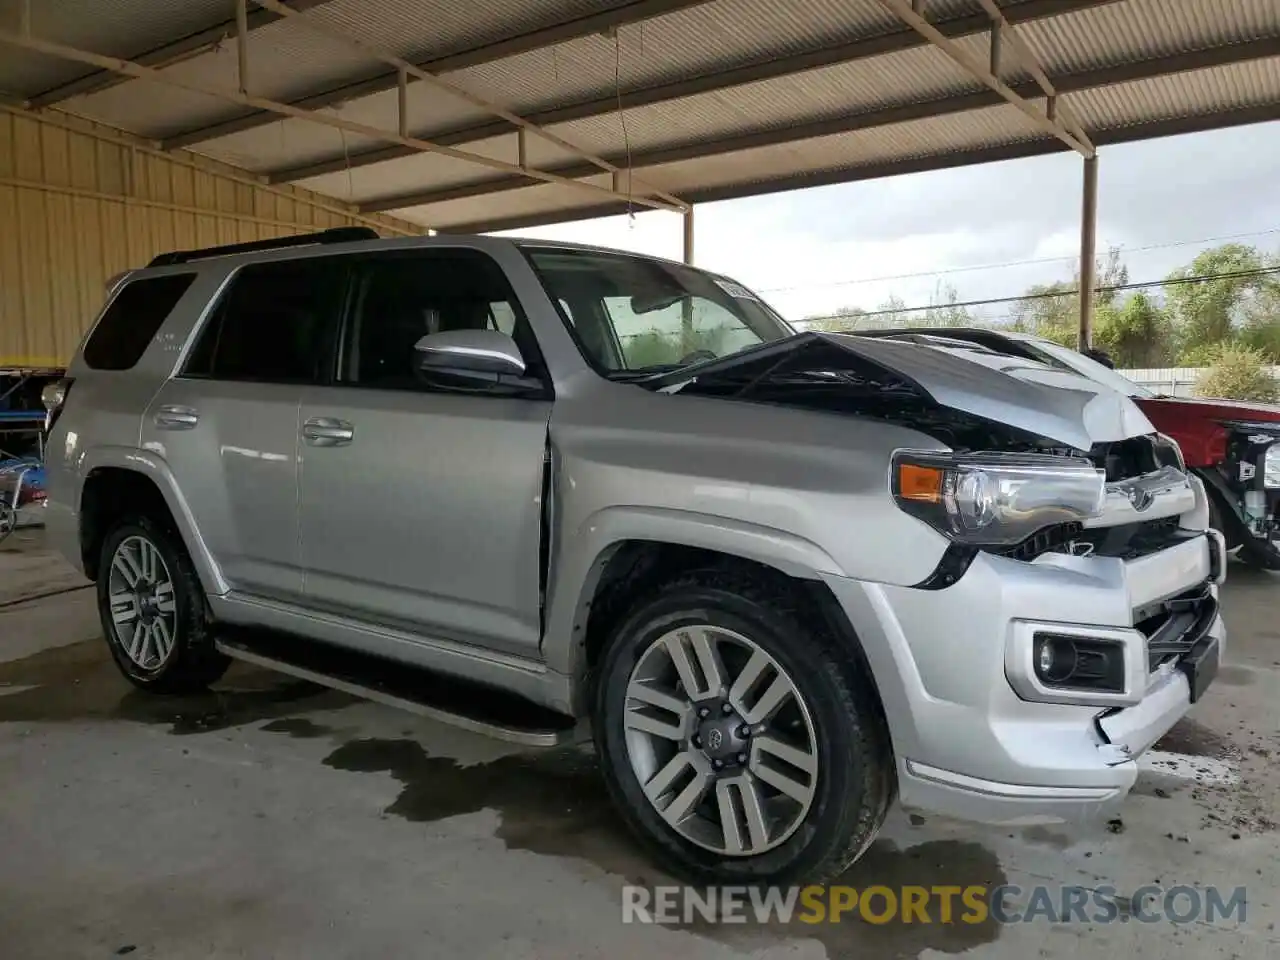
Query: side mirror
point(481, 361)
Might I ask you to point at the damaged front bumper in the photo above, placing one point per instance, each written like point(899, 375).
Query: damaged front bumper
point(978, 735)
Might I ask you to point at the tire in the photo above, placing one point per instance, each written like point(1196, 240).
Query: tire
point(853, 781)
point(188, 661)
point(8, 520)
point(1231, 532)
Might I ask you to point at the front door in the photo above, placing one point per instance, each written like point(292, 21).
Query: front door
point(228, 425)
point(421, 508)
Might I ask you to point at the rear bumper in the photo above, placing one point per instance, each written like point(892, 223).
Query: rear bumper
point(62, 532)
point(974, 742)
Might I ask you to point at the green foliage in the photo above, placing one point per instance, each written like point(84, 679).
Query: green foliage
point(1136, 335)
point(1199, 356)
point(1208, 312)
point(846, 318)
point(654, 347)
point(1238, 373)
point(944, 309)
point(1184, 324)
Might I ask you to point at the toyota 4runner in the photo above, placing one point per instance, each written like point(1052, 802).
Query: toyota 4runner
point(781, 578)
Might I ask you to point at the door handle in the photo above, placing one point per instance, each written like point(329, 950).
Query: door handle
point(327, 432)
point(173, 417)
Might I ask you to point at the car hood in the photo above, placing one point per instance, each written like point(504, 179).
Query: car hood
point(1022, 393)
point(1212, 409)
point(1055, 404)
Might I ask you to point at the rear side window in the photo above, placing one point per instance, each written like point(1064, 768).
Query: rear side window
point(132, 321)
point(275, 324)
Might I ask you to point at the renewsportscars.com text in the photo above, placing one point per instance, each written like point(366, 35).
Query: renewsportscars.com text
point(973, 904)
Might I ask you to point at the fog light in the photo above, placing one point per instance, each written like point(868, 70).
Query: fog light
point(1055, 658)
point(1079, 663)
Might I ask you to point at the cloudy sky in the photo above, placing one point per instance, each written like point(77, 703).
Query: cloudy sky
point(813, 251)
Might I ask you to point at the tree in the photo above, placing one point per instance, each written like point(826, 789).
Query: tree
point(1135, 334)
point(1052, 310)
point(944, 309)
point(1238, 373)
point(1261, 315)
point(846, 318)
point(1207, 312)
point(892, 313)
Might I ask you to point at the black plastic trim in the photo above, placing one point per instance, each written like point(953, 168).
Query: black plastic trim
point(953, 565)
point(334, 235)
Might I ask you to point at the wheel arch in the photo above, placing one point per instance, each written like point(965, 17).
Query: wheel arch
point(622, 552)
point(122, 479)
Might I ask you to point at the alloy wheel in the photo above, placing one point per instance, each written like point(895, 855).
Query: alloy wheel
point(721, 740)
point(144, 613)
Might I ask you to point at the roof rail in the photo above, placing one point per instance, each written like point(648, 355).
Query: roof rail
point(335, 235)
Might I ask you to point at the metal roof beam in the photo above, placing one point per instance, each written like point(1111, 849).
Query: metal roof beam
point(1002, 31)
point(764, 68)
point(549, 35)
point(1261, 113)
point(130, 69)
point(193, 44)
point(404, 70)
point(1046, 121)
point(791, 133)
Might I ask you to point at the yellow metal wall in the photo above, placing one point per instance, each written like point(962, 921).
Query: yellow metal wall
point(80, 203)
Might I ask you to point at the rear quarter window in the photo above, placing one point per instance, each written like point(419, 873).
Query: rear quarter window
point(132, 321)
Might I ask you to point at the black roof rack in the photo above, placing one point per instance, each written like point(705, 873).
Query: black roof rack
point(335, 235)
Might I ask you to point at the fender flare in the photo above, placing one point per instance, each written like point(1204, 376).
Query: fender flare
point(589, 548)
point(153, 467)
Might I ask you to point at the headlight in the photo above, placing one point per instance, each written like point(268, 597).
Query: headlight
point(1271, 465)
point(995, 498)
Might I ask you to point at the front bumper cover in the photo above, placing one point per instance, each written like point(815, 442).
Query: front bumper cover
point(968, 744)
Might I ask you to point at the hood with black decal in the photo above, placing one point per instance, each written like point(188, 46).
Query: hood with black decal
point(845, 371)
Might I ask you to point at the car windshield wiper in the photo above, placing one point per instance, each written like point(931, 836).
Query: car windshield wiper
point(652, 370)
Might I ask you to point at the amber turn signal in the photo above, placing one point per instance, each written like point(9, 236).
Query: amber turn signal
point(919, 483)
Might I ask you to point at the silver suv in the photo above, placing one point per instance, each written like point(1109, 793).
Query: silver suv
point(781, 577)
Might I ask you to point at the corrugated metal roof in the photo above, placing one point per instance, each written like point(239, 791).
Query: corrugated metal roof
point(119, 28)
point(1201, 92)
point(724, 95)
point(1140, 28)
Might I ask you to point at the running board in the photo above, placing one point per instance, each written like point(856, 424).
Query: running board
point(455, 702)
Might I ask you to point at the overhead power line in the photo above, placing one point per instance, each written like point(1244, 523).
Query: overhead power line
point(1055, 294)
point(1011, 263)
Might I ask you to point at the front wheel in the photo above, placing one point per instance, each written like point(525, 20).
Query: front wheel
point(739, 741)
point(153, 610)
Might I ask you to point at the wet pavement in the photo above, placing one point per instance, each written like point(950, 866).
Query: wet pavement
point(273, 818)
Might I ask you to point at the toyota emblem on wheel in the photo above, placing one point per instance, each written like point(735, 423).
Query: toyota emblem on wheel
point(714, 739)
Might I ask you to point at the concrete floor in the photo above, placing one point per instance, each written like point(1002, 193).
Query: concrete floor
point(273, 819)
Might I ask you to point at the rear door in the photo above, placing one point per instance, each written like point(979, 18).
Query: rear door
point(421, 508)
point(227, 426)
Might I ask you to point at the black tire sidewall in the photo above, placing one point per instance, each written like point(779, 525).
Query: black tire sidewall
point(190, 620)
point(840, 775)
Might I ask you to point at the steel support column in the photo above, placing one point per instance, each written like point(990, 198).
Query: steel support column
point(1088, 243)
point(686, 317)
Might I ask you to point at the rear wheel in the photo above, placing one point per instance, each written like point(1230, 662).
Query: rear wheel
point(8, 520)
point(153, 610)
point(737, 740)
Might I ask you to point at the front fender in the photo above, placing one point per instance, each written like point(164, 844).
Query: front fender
point(589, 548)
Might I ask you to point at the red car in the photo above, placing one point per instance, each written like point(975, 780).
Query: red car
point(1232, 445)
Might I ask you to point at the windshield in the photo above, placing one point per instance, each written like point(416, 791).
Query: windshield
point(1077, 362)
point(633, 315)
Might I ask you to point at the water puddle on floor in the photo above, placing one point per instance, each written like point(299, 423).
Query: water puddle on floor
point(80, 682)
point(552, 803)
point(555, 804)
